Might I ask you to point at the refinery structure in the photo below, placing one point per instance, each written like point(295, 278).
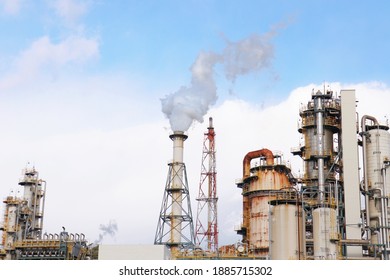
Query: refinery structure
point(22, 227)
point(337, 209)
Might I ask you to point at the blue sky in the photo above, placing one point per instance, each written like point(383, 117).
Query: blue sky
point(157, 41)
point(81, 84)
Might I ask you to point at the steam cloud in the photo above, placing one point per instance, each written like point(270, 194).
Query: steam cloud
point(110, 229)
point(190, 104)
point(249, 55)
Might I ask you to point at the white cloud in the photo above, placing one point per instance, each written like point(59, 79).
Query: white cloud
point(44, 51)
point(43, 55)
point(11, 7)
point(70, 11)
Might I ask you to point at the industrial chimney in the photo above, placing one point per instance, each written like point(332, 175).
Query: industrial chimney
point(175, 227)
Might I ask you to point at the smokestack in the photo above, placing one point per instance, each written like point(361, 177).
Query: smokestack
point(175, 227)
point(178, 138)
point(189, 104)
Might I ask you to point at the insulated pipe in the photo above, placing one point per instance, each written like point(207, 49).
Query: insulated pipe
point(382, 222)
point(364, 144)
point(385, 203)
point(255, 154)
point(384, 213)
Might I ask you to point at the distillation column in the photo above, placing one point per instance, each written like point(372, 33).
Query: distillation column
point(23, 217)
point(32, 212)
point(322, 183)
point(324, 216)
point(175, 226)
point(376, 160)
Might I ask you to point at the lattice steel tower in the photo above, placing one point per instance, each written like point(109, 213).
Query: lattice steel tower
point(206, 221)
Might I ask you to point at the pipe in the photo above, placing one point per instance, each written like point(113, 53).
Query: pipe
point(365, 174)
point(43, 202)
point(255, 154)
point(381, 223)
point(384, 210)
point(299, 217)
point(379, 242)
point(385, 202)
point(318, 107)
point(34, 206)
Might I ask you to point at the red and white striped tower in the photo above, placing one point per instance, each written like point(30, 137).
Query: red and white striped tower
point(206, 233)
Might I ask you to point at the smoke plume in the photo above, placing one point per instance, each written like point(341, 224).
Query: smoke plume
point(190, 104)
point(249, 55)
point(110, 229)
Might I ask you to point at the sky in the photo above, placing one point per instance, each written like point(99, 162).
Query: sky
point(89, 91)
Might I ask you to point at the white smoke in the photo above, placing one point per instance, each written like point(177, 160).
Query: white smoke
point(110, 229)
point(190, 104)
point(249, 55)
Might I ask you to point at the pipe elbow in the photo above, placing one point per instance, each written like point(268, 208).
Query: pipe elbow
point(269, 157)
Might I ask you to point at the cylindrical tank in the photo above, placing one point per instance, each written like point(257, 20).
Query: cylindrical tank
point(287, 231)
point(258, 227)
point(265, 179)
point(325, 233)
point(377, 151)
point(258, 190)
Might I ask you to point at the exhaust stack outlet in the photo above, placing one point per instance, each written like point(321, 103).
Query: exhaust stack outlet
point(178, 138)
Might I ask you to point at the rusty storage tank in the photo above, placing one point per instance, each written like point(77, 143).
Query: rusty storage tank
point(259, 183)
point(287, 227)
